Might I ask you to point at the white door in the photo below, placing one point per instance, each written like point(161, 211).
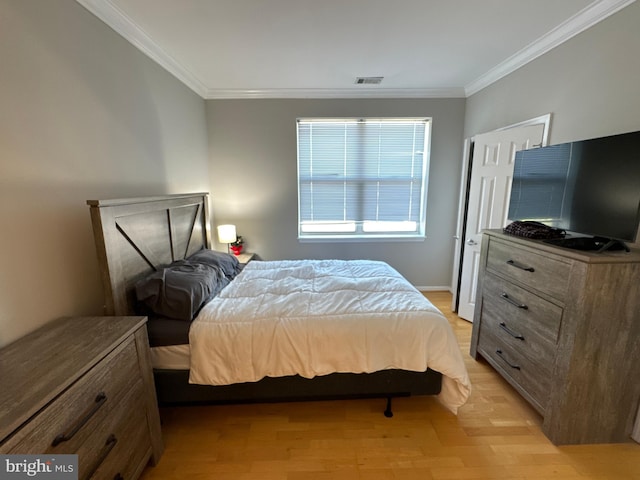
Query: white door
point(489, 191)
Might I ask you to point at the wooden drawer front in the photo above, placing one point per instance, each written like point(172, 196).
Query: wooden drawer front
point(532, 379)
point(521, 317)
point(124, 447)
point(541, 272)
point(118, 444)
point(83, 406)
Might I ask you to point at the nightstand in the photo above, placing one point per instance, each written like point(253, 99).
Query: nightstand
point(82, 386)
point(245, 258)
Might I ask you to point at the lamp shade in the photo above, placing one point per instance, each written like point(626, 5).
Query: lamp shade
point(227, 233)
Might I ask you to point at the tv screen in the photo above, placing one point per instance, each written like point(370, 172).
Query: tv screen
point(590, 187)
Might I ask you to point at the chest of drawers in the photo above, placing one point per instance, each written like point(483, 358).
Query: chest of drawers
point(82, 386)
point(562, 327)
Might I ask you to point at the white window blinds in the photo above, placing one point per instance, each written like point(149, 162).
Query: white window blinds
point(362, 177)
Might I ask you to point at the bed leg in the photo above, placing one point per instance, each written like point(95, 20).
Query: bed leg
point(388, 412)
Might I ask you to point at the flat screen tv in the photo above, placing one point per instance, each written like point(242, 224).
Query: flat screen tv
point(590, 188)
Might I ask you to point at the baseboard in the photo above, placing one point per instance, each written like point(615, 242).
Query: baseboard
point(435, 289)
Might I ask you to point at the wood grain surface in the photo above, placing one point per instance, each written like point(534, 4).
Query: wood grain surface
point(82, 386)
point(579, 363)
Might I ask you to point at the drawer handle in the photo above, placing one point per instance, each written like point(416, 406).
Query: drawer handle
point(513, 302)
point(520, 266)
point(510, 332)
point(118, 476)
point(64, 437)
point(108, 446)
point(501, 355)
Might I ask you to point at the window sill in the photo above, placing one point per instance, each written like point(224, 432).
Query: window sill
point(361, 239)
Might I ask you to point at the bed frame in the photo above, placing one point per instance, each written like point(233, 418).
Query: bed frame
point(135, 236)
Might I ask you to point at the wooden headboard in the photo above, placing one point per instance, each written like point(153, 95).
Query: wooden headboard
point(135, 236)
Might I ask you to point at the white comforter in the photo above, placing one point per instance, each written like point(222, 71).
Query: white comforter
point(315, 317)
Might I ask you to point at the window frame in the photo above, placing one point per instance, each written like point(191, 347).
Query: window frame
point(356, 230)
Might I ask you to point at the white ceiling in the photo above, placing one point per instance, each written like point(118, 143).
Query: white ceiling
point(317, 48)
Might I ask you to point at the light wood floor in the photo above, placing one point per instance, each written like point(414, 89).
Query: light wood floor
point(496, 435)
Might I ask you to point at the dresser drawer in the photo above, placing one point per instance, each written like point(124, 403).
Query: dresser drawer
point(540, 272)
point(521, 316)
point(72, 417)
point(531, 378)
point(119, 444)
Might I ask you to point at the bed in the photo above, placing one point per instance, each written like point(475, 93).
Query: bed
point(138, 239)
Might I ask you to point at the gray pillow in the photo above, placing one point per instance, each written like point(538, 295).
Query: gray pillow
point(227, 262)
point(180, 290)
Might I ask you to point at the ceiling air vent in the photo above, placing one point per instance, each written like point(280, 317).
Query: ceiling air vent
point(368, 80)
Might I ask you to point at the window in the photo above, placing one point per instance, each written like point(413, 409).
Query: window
point(362, 178)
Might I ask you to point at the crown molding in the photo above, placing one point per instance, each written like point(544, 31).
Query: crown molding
point(122, 24)
point(357, 92)
point(581, 21)
point(106, 11)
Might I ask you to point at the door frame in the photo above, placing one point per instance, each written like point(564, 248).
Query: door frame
point(463, 201)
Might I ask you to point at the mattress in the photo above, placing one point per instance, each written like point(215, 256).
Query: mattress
point(169, 342)
point(171, 357)
point(316, 317)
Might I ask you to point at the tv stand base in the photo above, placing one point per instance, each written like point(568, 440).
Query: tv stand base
point(610, 244)
point(593, 244)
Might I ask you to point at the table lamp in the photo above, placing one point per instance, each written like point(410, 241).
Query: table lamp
point(227, 234)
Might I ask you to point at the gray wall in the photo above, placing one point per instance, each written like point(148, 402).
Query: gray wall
point(254, 180)
point(589, 85)
point(84, 115)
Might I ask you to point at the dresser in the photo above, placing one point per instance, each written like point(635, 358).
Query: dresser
point(82, 386)
point(563, 328)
